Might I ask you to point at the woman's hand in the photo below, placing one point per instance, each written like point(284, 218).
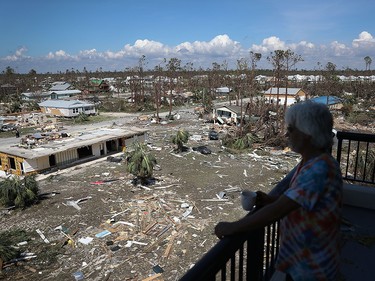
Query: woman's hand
point(263, 199)
point(223, 229)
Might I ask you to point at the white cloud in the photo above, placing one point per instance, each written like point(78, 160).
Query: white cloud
point(144, 47)
point(200, 53)
point(18, 55)
point(88, 54)
point(270, 44)
point(339, 49)
point(59, 55)
point(220, 45)
point(365, 41)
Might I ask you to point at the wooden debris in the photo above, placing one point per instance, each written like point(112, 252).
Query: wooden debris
point(69, 238)
point(153, 277)
point(42, 236)
point(167, 251)
point(149, 227)
point(30, 268)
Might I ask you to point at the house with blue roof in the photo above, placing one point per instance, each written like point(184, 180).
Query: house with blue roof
point(332, 102)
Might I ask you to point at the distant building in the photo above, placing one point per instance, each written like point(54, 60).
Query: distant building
point(60, 86)
point(66, 108)
point(292, 95)
point(35, 96)
point(64, 94)
point(223, 90)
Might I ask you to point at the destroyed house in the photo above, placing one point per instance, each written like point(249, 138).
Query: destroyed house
point(66, 108)
point(98, 85)
point(332, 102)
point(227, 113)
point(35, 155)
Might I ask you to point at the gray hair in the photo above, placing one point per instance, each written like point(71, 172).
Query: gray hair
point(313, 119)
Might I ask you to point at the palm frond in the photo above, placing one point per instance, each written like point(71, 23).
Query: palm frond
point(140, 162)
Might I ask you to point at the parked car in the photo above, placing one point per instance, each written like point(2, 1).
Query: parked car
point(213, 135)
point(8, 127)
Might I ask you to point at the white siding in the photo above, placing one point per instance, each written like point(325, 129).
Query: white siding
point(96, 148)
point(42, 163)
point(67, 156)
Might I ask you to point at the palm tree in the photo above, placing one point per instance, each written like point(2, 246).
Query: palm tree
point(181, 137)
point(173, 68)
point(140, 163)
point(368, 62)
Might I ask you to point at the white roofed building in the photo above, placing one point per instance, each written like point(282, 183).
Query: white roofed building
point(292, 95)
point(67, 108)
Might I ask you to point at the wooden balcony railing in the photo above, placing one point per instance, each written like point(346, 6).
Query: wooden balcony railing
point(251, 256)
point(356, 155)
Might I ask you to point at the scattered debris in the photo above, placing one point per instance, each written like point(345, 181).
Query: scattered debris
point(222, 195)
point(42, 236)
point(86, 240)
point(114, 159)
point(104, 181)
point(202, 149)
point(78, 275)
point(75, 203)
point(102, 234)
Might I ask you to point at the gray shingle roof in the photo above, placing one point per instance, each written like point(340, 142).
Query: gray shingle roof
point(60, 86)
point(64, 103)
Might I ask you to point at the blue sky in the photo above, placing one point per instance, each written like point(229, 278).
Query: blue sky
point(52, 35)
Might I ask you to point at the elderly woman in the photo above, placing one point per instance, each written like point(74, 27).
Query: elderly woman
point(308, 200)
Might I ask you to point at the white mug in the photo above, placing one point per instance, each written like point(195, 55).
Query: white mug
point(248, 199)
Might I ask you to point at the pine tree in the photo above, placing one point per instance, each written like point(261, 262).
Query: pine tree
point(19, 192)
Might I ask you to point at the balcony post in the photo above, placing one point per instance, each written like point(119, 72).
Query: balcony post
point(255, 255)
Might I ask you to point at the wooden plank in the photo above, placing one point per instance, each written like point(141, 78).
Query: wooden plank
point(153, 277)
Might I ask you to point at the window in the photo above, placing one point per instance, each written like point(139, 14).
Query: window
point(12, 162)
